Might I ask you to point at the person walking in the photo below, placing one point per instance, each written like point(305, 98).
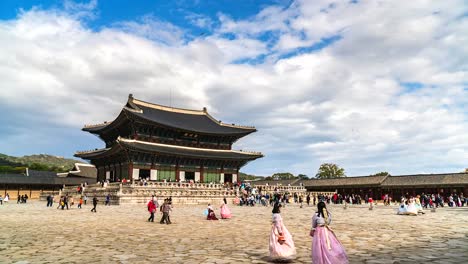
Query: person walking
point(326, 248)
point(80, 203)
point(85, 199)
point(281, 244)
point(151, 210)
point(60, 202)
point(225, 212)
point(165, 209)
point(65, 202)
point(108, 199)
point(95, 201)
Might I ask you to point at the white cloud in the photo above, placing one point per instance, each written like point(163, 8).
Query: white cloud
point(344, 103)
point(200, 21)
point(154, 29)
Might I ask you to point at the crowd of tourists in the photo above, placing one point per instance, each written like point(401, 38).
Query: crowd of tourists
point(22, 199)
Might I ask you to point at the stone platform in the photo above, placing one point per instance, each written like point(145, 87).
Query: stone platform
point(181, 193)
point(32, 233)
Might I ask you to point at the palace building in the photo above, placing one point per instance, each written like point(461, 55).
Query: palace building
point(155, 142)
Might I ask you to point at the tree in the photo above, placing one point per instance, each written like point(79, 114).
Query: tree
point(383, 173)
point(329, 171)
point(283, 176)
point(303, 177)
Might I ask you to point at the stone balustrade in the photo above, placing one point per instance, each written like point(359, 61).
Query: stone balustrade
point(281, 188)
point(178, 185)
point(131, 193)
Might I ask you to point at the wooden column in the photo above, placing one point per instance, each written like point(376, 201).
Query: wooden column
point(177, 172)
point(130, 171)
point(224, 177)
point(120, 171)
point(201, 174)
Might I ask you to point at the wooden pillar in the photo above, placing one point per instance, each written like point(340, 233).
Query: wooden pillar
point(120, 169)
point(177, 172)
point(202, 178)
point(130, 171)
point(224, 176)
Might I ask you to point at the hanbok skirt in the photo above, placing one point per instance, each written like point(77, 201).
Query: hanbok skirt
point(327, 250)
point(211, 215)
point(411, 209)
point(285, 251)
point(225, 212)
point(402, 210)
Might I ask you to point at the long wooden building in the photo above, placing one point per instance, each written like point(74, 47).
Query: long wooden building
point(33, 183)
point(155, 142)
point(376, 186)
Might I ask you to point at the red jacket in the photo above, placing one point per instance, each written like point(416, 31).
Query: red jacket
point(151, 207)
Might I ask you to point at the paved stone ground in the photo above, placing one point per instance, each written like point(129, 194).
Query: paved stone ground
point(32, 233)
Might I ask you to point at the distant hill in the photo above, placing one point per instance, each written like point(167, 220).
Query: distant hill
point(42, 162)
point(244, 176)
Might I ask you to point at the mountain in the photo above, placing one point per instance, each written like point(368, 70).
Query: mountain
point(41, 162)
point(244, 176)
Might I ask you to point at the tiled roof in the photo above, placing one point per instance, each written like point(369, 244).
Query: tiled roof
point(20, 179)
point(427, 179)
point(346, 181)
point(83, 170)
point(188, 120)
point(293, 182)
point(392, 181)
point(164, 149)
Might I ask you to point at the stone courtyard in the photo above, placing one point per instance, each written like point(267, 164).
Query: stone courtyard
point(33, 233)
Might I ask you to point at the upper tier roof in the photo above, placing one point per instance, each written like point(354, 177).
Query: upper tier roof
point(188, 120)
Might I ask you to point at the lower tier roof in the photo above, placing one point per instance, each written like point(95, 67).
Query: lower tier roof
point(169, 150)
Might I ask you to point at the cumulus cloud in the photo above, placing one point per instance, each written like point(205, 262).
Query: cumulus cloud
point(348, 102)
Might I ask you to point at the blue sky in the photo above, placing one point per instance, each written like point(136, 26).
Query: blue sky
point(177, 12)
point(368, 85)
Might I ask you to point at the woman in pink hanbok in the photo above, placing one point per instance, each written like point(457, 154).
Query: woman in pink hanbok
point(281, 243)
point(326, 248)
point(225, 212)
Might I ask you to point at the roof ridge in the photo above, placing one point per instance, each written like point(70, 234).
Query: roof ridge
point(225, 124)
point(168, 108)
point(91, 151)
point(431, 174)
point(105, 123)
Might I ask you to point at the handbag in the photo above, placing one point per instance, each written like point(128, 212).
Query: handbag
point(281, 239)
